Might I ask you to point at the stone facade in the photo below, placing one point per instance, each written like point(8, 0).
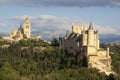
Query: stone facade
point(86, 42)
point(17, 34)
point(22, 33)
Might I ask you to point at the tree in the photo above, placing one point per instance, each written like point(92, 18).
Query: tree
point(8, 73)
point(55, 42)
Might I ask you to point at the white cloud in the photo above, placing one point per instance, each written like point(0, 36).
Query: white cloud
point(57, 25)
point(47, 17)
point(3, 25)
point(18, 18)
point(105, 29)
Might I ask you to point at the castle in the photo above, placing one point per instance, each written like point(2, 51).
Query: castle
point(86, 42)
point(22, 33)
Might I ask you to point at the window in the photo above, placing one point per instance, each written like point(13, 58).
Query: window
point(27, 27)
point(71, 47)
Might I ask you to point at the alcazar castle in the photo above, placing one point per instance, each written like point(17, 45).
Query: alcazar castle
point(86, 42)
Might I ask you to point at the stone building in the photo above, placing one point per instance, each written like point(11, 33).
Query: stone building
point(17, 34)
point(86, 42)
point(22, 33)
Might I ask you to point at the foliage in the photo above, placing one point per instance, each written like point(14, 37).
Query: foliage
point(33, 43)
point(8, 73)
point(4, 43)
point(55, 42)
point(75, 74)
point(21, 62)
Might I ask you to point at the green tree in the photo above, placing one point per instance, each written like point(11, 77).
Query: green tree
point(55, 42)
point(8, 73)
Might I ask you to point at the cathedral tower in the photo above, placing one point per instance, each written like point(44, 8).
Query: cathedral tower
point(27, 28)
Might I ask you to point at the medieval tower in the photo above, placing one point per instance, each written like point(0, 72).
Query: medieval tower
point(27, 28)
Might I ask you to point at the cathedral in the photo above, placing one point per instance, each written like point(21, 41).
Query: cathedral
point(22, 32)
point(86, 42)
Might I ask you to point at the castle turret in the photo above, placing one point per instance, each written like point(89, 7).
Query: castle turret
point(91, 35)
point(27, 28)
point(90, 26)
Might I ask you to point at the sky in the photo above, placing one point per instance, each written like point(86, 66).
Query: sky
point(57, 16)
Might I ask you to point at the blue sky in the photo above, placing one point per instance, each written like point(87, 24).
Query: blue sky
point(61, 14)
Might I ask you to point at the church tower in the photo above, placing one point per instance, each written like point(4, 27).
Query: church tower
point(27, 28)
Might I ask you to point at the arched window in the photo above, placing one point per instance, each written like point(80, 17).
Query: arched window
point(27, 27)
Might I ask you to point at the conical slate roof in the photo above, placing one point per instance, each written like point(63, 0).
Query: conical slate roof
point(90, 26)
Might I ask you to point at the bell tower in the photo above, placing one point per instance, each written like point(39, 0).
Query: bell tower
point(27, 28)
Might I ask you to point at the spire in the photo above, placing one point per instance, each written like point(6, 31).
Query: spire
point(20, 25)
point(27, 17)
point(20, 28)
point(67, 33)
point(90, 26)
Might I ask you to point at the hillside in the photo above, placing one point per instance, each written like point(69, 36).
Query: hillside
point(109, 38)
point(27, 60)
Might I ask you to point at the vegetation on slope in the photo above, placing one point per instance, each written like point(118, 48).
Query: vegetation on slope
point(21, 62)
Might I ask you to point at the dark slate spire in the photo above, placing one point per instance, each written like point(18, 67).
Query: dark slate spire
point(90, 26)
point(21, 28)
point(67, 33)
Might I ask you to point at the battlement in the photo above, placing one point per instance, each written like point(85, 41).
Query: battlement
point(78, 29)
